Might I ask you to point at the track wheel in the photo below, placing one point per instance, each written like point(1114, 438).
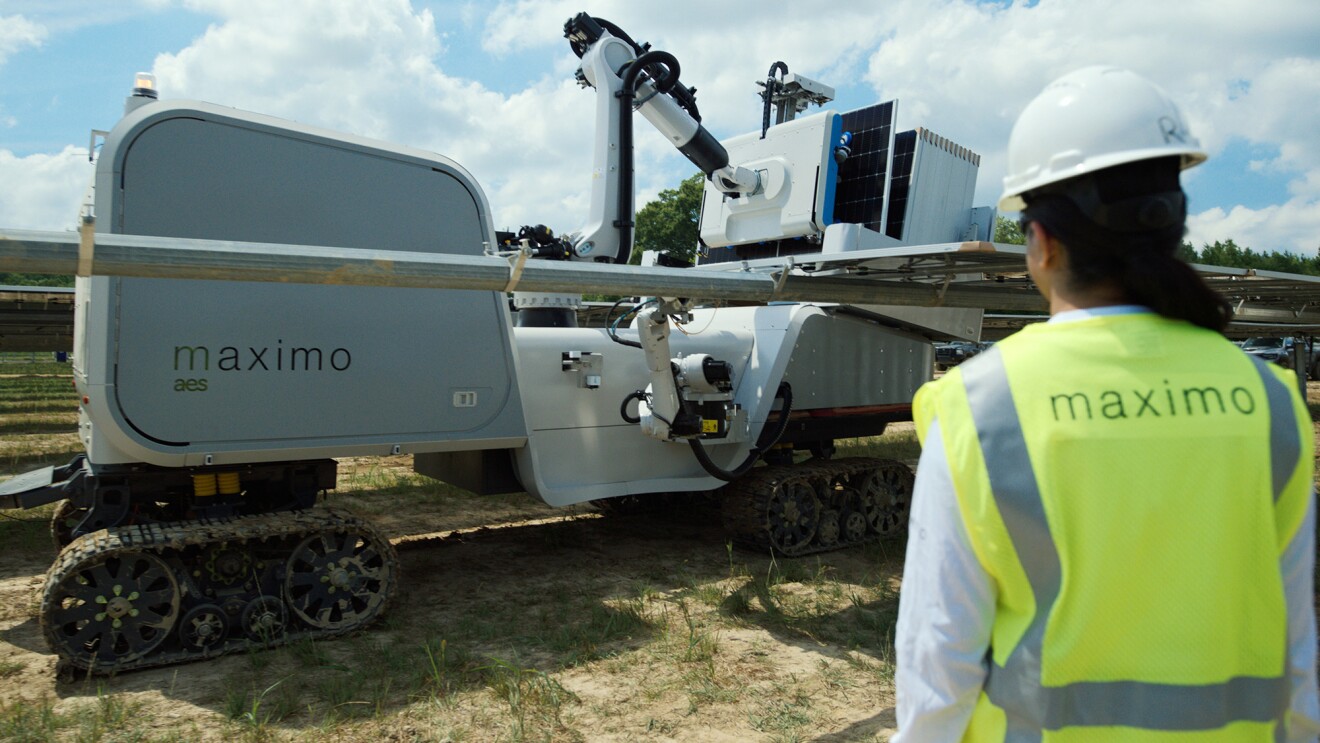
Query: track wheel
point(886, 498)
point(792, 516)
point(112, 610)
point(203, 627)
point(340, 580)
point(264, 619)
point(828, 531)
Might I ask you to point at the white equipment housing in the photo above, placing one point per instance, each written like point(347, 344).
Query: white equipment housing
point(797, 172)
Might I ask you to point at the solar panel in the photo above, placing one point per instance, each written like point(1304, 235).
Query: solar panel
point(905, 146)
point(864, 176)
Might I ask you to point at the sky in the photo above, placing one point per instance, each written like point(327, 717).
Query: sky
point(490, 85)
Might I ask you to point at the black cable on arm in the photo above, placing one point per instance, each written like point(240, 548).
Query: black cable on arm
point(770, 85)
point(784, 392)
point(669, 64)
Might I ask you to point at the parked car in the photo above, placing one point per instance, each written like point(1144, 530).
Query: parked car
point(1280, 351)
point(955, 352)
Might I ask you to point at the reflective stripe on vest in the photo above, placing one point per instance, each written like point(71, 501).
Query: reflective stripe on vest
point(1016, 687)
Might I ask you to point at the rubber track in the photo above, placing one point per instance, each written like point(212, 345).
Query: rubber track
point(163, 538)
point(745, 501)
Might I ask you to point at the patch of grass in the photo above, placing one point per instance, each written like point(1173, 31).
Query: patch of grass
point(109, 718)
point(24, 362)
point(899, 443)
point(24, 722)
point(20, 453)
point(581, 641)
point(385, 480)
point(784, 718)
point(40, 405)
point(535, 700)
point(448, 670)
point(255, 710)
point(704, 688)
point(694, 642)
point(39, 423)
point(38, 416)
point(28, 532)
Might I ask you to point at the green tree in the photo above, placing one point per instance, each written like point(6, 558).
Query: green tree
point(669, 224)
point(34, 279)
point(1229, 254)
point(1007, 231)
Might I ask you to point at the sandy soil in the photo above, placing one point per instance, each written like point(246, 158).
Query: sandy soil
point(492, 572)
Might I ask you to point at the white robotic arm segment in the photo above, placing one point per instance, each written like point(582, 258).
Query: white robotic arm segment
point(625, 75)
point(694, 141)
point(599, 238)
point(662, 405)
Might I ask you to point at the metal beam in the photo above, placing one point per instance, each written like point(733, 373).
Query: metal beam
point(178, 258)
point(864, 277)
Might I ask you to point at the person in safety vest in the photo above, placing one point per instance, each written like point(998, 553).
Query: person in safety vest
point(1112, 534)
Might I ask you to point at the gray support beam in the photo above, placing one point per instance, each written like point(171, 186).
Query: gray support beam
point(176, 258)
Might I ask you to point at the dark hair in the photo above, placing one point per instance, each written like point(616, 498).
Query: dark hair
point(1121, 228)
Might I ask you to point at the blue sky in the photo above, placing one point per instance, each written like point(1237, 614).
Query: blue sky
point(490, 85)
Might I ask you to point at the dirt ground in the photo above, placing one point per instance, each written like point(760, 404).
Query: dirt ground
point(512, 589)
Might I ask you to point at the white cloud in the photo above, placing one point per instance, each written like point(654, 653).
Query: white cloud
point(43, 191)
point(1292, 226)
point(372, 69)
point(1268, 112)
point(18, 33)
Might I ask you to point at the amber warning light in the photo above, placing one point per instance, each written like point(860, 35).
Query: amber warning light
point(144, 85)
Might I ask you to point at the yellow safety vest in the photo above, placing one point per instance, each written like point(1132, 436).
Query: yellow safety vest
point(1129, 482)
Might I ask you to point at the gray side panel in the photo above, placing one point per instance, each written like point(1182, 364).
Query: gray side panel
point(189, 177)
point(841, 361)
point(302, 368)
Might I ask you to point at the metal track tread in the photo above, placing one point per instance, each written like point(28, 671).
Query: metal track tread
point(818, 505)
point(148, 595)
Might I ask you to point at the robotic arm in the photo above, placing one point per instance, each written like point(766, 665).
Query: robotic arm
point(691, 398)
point(627, 76)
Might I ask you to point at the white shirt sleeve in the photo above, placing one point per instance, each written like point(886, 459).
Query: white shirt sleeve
point(1297, 563)
point(945, 613)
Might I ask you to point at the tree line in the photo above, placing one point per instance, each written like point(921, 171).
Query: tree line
point(1225, 253)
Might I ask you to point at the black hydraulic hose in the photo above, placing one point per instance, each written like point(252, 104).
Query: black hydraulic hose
point(770, 84)
point(639, 396)
point(630, 77)
point(785, 392)
point(612, 331)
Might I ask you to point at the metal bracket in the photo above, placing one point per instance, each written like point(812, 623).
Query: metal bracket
point(516, 267)
point(944, 287)
point(781, 276)
point(589, 365)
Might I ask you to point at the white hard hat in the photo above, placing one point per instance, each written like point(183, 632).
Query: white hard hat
point(1094, 118)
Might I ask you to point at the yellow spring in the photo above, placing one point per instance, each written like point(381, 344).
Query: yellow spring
point(229, 484)
point(204, 485)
